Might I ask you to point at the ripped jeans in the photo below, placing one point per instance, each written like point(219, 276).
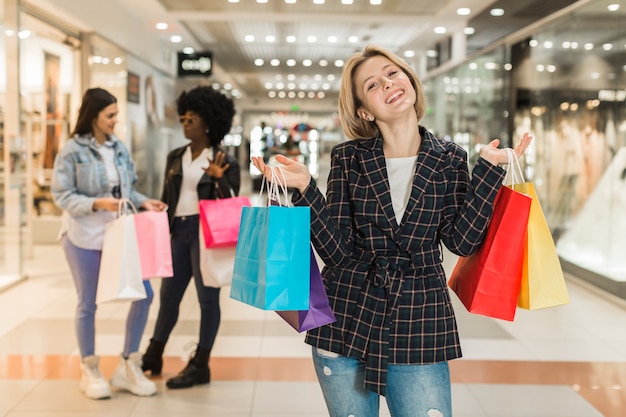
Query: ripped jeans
point(412, 390)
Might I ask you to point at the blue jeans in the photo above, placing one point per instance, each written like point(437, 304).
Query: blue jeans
point(186, 264)
point(412, 390)
point(85, 266)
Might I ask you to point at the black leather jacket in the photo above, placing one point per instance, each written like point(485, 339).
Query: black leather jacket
point(208, 188)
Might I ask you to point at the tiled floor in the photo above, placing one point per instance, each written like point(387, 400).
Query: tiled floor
point(568, 361)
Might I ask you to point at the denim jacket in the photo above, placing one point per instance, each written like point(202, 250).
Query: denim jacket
point(79, 177)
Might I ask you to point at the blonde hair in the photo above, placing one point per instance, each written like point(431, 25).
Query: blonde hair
point(353, 126)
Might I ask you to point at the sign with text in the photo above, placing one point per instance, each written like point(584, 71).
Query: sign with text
point(199, 63)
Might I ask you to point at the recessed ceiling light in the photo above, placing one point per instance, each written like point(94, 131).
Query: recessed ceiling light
point(188, 50)
point(249, 38)
point(311, 39)
point(463, 11)
point(176, 39)
point(497, 12)
point(376, 2)
point(409, 53)
point(353, 39)
point(469, 30)
point(290, 39)
point(161, 26)
point(259, 62)
point(290, 1)
point(270, 38)
point(440, 30)
point(613, 7)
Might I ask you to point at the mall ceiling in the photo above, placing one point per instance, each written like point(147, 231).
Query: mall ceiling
point(221, 26)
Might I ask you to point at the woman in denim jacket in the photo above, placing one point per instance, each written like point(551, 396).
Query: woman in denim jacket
point(92, 172)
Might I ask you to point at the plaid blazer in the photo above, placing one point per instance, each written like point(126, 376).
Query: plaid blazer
point(385, 281)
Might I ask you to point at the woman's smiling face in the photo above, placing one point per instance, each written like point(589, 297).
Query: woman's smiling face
point(383, 88)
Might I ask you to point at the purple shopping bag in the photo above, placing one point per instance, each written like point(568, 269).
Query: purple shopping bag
point(319, 312)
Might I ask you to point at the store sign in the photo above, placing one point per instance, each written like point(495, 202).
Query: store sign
point(612, 95)
point(199, 63)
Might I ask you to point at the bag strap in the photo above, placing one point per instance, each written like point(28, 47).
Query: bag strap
point(513, 169)
point(123, 206)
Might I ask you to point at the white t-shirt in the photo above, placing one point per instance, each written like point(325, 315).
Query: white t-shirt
point(401, 172)
point(192, 172)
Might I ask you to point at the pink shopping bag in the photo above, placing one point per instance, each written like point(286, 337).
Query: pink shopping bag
point(220, 220)
point(153, 240)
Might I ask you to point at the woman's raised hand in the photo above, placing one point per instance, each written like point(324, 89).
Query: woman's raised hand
point(293, 173)
point(497, 156)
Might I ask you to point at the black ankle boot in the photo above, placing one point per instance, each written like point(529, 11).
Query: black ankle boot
point(196, 372)
point(152, 360)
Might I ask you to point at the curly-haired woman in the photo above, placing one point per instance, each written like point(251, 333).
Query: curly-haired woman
point(198, 170)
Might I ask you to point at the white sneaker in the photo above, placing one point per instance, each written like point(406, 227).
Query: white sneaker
point(92, 384)
point(129, 376)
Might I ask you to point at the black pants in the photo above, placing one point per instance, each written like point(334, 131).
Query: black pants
point(186, 263)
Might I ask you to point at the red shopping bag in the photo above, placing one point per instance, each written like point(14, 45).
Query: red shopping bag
point(153, 240)
point(488, 281)
point(220, 220)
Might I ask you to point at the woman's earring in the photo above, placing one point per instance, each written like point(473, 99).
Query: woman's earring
point(370, 118)
point(206, 131)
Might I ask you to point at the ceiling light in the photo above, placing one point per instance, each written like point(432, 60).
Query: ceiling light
point(339, 63)
point(271, 94)
point(291, 62)
point(188, 50)
point(268, 85)
point(353, 39)
point(233, 1)
point(548, 44)
point(282, 94)
point(307, 62)
point(291, 77)
point(311, 39)
point(376, 2)
point(497, 12)
point(249, 38)
point(290, 1)
point(280, 86)
point(323, 63)
point(332, 39)
point(258, 62)
point(588, 46)
point(409, 53)
point(290, 39)
point(270, 38)
point(261, 1)
point(291, 86)
point(275, 62)
point(613, 7)
point(440, 30)
point(463, 11)
point(318, 1)
point(161, 26)
point(469, 30)
point(291, 94)
point(346, 1)
point(176, 39)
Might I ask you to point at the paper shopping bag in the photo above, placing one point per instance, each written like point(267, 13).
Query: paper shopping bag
point(272, 258)
point(319, 312)
point(216, 264)
point(220, 220)
point(543, 283)
point(488, 281)
point(155, 247)
point(119, 278)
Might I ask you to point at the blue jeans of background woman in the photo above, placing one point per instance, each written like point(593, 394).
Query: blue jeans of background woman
point(412, 390)
point(186, 264)
point(85, 265)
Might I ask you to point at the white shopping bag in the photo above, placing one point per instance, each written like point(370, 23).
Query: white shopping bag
point(120, 268)
point(216, 264)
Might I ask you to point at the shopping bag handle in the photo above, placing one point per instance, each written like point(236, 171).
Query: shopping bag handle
point(276, 188)
point(122, 207)
point(513, 169)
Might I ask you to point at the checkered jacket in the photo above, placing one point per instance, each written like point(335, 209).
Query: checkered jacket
point(385, 282)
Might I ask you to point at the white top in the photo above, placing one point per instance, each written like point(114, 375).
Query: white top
point(192, 172)
point(401, 172)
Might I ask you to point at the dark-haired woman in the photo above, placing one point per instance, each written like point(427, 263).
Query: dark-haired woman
point(197, 171)
point(92, 172)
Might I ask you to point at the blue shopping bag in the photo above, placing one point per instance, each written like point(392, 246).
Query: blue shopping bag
point(272, 258)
